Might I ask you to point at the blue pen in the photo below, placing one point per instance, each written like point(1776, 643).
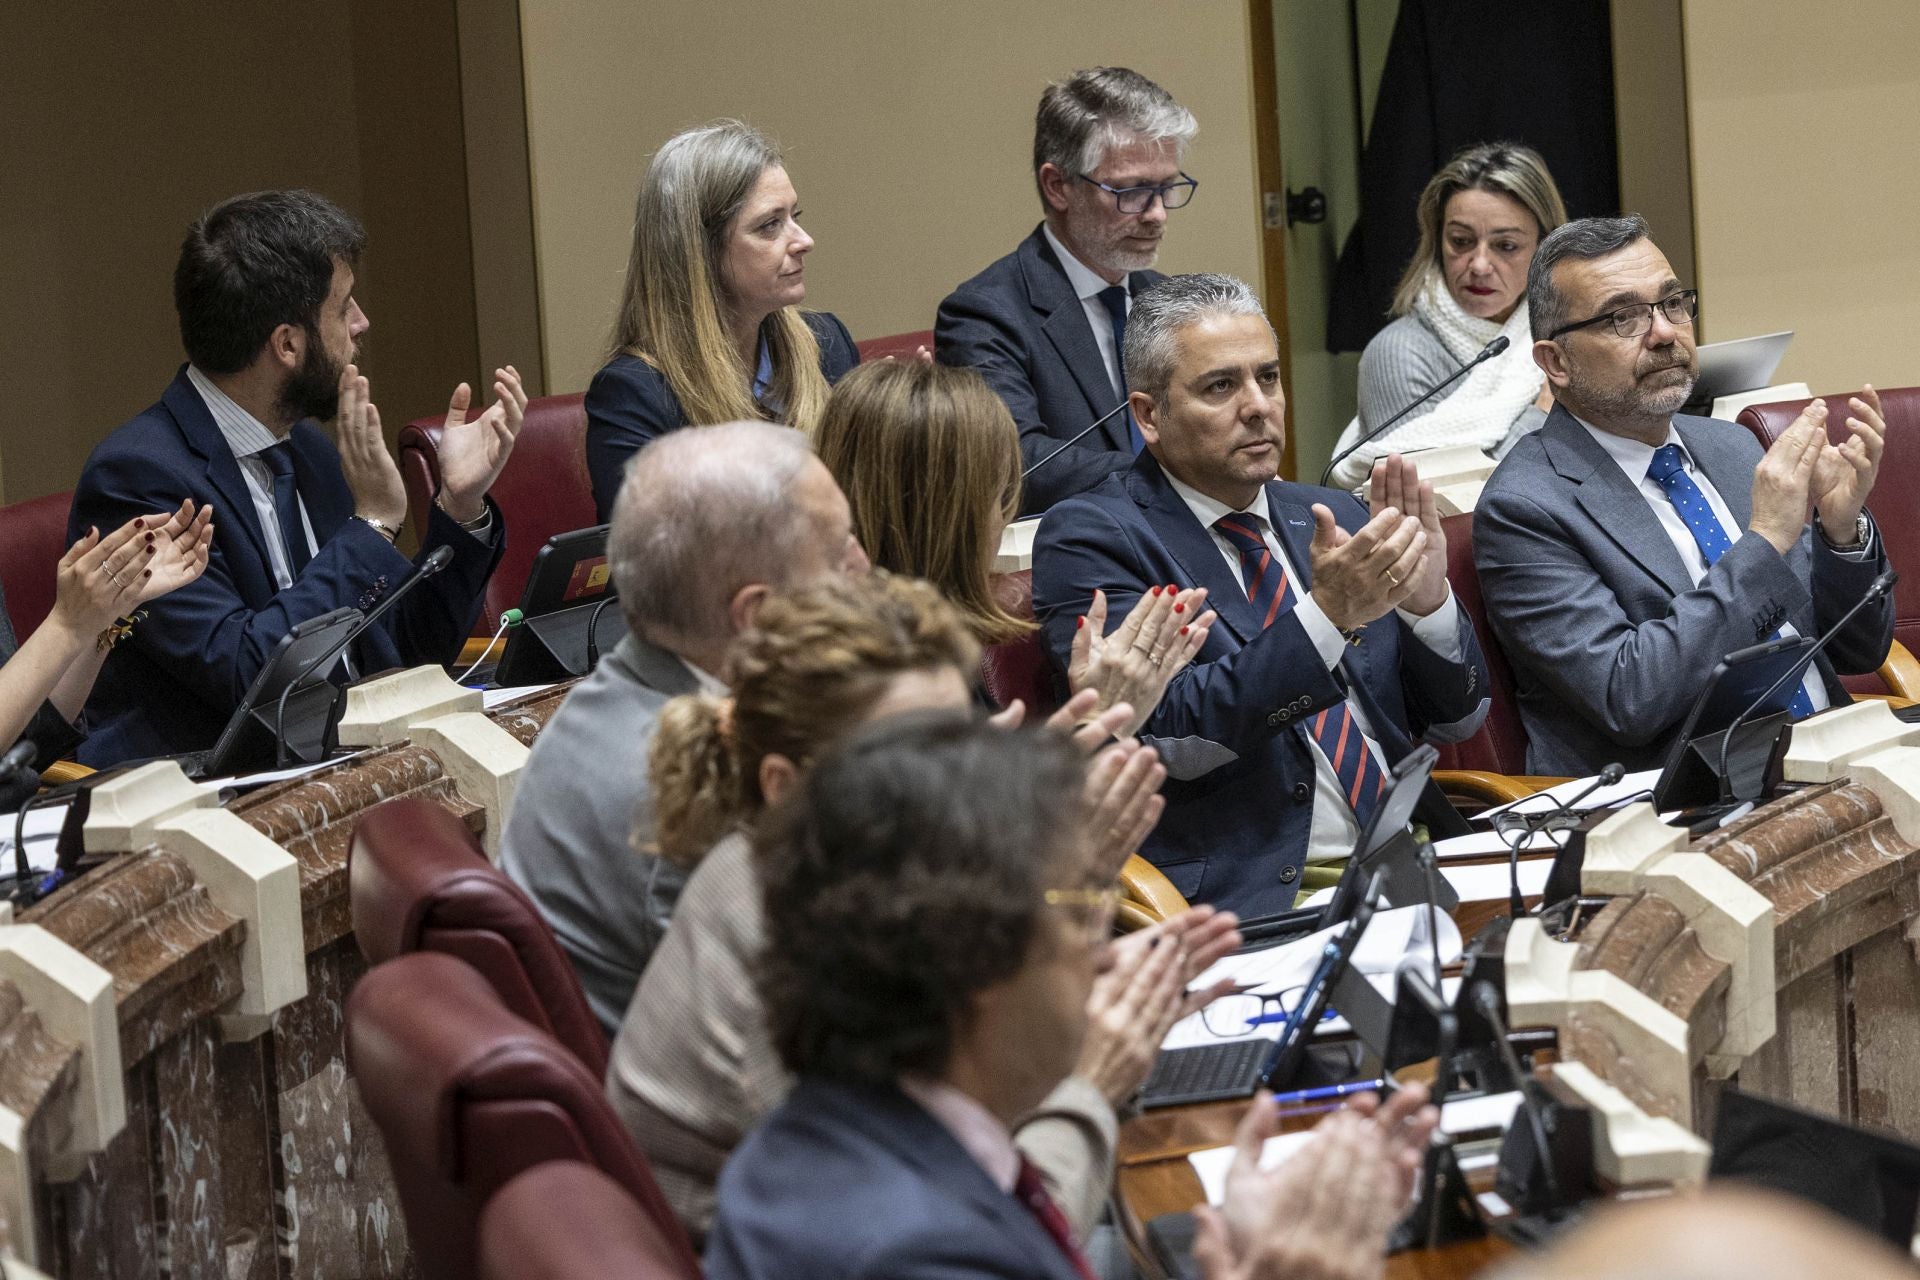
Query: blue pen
point(1284, 1014)
point(1328, 1092)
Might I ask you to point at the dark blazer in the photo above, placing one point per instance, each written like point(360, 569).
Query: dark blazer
point(1231, 726)
point(1609, 639)
point(844, 1182)
point(629, 403)
point(1020, 324)
point(173, 685)
point(49, 731)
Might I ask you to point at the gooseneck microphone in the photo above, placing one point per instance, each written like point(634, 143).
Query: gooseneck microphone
point(436, 560)
point(1487, 353)
point(1877, 588)
point(1528, 825)
point(19, 760)
point(1076, 437)
point(1486, 1002)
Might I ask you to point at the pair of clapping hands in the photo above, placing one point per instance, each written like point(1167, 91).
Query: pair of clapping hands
point(1397, 560)
point(1804, 468)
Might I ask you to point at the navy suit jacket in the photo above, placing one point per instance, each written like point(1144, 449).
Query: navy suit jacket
point(174, 684)
point(846, 1182)
point(629, 403)
point(1610, 640)
point(1231, 726)
point(1022, 327)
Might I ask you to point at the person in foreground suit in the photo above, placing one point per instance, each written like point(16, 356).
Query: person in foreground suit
point(710, 327)
point(1625, 548)
point(936, 922)
point(1338, 638)
point(693, 1068)
point(709, 522)
point(264, 291)
point(1045, 324)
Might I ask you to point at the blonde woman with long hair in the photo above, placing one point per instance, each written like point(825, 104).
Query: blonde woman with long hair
point(710, 327)
point(1481, 217)
point(929, 459)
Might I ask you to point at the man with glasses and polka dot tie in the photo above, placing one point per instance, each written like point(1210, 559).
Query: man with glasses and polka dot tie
point(1625, 548)
point(1338, 640)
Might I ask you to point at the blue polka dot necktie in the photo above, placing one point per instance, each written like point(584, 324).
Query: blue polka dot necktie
point(1361, 777)
point(1114, 299)
point(1669, 470)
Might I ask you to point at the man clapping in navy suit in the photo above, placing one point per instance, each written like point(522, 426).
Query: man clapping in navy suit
point(1338, 640)
point(264, 290)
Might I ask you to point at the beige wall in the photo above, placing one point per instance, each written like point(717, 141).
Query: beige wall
point(909, 129)
point(1803, 120)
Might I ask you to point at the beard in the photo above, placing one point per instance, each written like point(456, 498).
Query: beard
point(1658, 395)
point(314, 389)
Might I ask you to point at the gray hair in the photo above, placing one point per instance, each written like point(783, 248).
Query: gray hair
point(1582, 239)
point(703, 512)
point(1161, 311)
point(1088, 112)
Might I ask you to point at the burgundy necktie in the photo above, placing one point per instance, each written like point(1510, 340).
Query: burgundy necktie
point(1030, 1191)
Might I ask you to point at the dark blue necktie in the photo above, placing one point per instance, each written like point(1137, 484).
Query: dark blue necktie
point(286, 505)
point(1114, 299)
point(1669, 470)
point(1335, 729)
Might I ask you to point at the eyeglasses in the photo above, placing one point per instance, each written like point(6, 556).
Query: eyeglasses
point(1172, 195)
point(1242, 1013)
point(1094, 907)
point(1633, 320)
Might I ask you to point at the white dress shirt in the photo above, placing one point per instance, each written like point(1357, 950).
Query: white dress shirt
point(248, 437)
point(1634, 458)
point(977, 1130)
point(1334, 831)
point(1088, 286)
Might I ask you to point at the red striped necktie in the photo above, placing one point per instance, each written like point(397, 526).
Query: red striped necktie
point(1031, 1192)
point(1361, 778)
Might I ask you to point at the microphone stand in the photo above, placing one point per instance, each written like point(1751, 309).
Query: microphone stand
point(437, 560)
point(19, 760)
point(1079, 435)
point(1530, 825)
point(1877, 588)
point(1487, 353)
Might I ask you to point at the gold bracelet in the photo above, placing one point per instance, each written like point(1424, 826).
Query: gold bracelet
point(117, 631)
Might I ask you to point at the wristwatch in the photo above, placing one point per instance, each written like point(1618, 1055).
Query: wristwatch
point(1861, 528)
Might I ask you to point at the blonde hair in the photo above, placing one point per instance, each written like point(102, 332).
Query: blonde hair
point(1504, 168)
point(929, 459)
point(673, 313)
point(811, 667)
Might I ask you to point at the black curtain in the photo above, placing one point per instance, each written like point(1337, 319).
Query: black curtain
point(1460, 72)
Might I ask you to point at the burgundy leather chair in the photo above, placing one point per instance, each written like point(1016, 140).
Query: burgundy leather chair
point(467, 1097)
point(1019, 668)
point(607, 1233)
point(33, 537)
point(1500, 746)
point(543, 490)
point(418, 881)
point(899, 345)
point(1892, 500)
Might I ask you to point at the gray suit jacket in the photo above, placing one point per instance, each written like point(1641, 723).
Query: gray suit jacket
point(569, 838)
point(1609, 639)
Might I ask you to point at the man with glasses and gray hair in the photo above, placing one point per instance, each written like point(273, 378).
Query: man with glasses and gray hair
point(1625, 548)
point(1045, 324)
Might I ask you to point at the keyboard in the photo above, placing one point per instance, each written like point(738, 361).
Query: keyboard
point(1206, 1073)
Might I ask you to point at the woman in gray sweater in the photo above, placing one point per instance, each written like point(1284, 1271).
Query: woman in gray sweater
point(1481, 217)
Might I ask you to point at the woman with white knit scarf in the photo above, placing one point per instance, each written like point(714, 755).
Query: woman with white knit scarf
point(1481, 217)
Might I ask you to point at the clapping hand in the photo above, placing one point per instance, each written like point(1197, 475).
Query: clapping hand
point(1358, 577)
point(472, 453)
point(1158, 637)
point(1142, 992)
point(1783, 481)
point(1396, 483)
point(102, 578)
point(1844, 474)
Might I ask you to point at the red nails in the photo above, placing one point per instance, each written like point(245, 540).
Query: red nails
point(1179, 608)
point(149, 537)
point(1183, 631)
point(1155, 591)
point(139, 522)
point(146, 573)
point(150, 550)
point(1081, 622)
point(1171, 589)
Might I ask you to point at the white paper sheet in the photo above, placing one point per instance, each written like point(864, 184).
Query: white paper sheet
point(1463, 1115)
point(492, 698)
point(1491, 881)
point(247, 781)
point(1490, 844)
point(1603, 798)
point(41, 835)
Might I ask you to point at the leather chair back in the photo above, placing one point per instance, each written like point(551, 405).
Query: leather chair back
point(606, 1232)
point(901, 346)
point(1891, 501)
point(1019, 668)
point(543, 489)
point(467, 1097)
point(418, 881)
point(1501, 744)
point(33, 537)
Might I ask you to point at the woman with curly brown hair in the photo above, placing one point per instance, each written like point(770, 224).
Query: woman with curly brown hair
point(693, 1068)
